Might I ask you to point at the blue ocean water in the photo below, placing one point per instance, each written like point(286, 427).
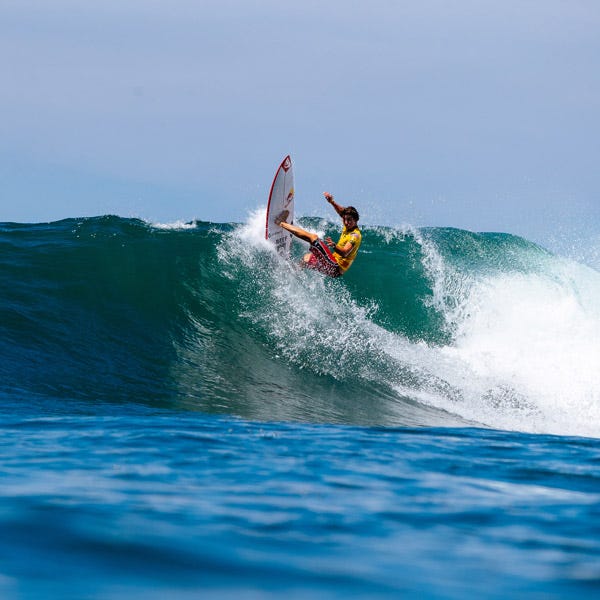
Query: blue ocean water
point(185, 415)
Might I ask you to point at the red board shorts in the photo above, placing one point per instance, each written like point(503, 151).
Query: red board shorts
point(322, 259)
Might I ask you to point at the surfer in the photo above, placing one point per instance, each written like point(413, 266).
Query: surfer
point(334, 262)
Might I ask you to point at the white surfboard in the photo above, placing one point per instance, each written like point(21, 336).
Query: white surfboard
point(281, 198)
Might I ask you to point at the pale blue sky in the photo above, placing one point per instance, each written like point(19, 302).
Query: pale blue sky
point(476, 114)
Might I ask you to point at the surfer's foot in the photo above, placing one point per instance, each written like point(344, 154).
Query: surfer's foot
point(281, 217)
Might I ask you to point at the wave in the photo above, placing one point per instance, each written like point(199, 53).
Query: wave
point(431, 326)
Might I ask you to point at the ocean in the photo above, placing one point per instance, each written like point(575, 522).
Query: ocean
point(184, 414)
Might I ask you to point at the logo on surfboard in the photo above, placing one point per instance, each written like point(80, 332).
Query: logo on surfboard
point(287, 163)
point(289, 198)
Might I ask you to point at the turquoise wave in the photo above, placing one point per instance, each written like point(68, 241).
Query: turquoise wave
point(431, 326)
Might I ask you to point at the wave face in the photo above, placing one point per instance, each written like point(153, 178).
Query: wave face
point(434, 327)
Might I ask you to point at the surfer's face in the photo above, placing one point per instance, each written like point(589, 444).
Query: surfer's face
point(349, 222)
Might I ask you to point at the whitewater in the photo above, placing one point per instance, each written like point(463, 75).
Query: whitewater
point(184, 413)
point(518, 329)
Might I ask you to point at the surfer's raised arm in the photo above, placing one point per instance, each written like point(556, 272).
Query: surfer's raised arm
point(329, 197)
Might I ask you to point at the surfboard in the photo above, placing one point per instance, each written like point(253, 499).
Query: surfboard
point(281, 198)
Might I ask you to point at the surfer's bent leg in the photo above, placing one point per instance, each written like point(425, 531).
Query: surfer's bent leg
point(320, 257)
point(307, 236)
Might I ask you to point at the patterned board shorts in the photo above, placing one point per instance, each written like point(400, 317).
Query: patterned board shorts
point(322, 259)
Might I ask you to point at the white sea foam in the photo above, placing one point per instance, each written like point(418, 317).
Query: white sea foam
point(175, 225)
point(525, 353)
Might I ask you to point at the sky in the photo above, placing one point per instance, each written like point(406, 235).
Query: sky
point(483, 115)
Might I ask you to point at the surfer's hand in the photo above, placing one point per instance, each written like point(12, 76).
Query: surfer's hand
point(328, 196)
point(329, 242)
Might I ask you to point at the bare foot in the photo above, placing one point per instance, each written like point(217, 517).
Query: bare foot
point(281, 217)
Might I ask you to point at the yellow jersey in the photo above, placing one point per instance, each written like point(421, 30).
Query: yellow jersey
point(355, 238)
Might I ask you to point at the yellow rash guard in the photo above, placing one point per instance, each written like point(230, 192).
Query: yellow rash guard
point(355, 238)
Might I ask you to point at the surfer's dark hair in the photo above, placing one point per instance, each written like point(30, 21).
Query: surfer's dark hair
point(351, 212)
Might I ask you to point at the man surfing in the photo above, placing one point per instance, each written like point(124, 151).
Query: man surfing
point(334, 262)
